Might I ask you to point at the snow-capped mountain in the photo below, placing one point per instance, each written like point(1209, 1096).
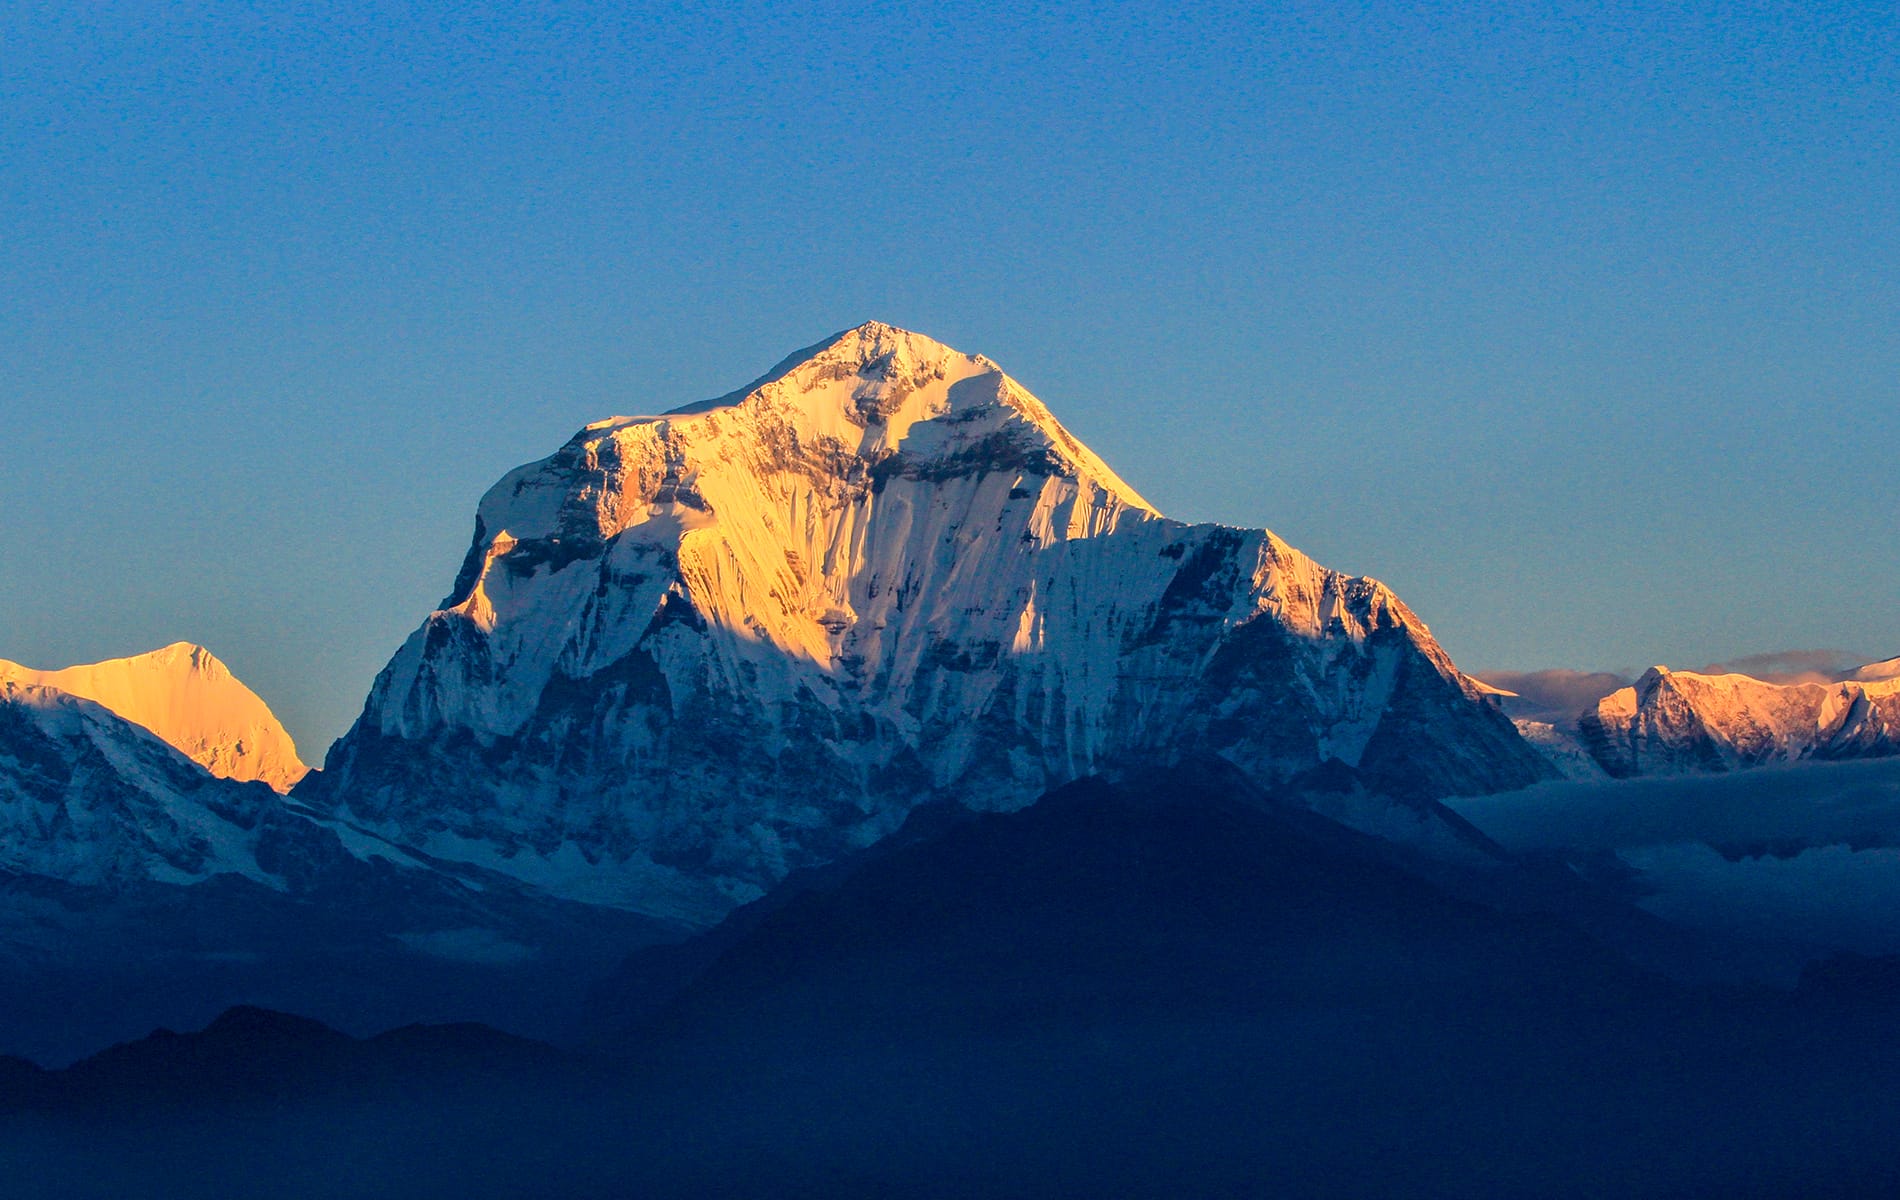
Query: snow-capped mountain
point(91, 798)
point(687, 653)
point(183, 694)
point(1677, 721)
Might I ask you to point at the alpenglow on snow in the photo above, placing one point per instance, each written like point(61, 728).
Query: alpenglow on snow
point(691, 652)
point(1674, 722)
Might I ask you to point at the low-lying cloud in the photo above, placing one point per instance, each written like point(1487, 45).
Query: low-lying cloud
point(1791, 666)
point(1556, 695)
point(1807, 853)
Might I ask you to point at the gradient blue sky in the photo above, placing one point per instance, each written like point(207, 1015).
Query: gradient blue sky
point(1578, 326)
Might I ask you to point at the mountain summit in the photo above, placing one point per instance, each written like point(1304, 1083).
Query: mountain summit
point(687, 653)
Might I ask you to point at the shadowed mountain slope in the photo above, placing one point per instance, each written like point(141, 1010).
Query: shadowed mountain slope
point(136, 888)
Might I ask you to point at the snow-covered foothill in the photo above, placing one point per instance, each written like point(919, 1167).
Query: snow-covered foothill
point(91, 798)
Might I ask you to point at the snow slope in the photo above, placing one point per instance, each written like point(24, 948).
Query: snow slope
point(183, 694)
point(137, 889)
point(687, 653)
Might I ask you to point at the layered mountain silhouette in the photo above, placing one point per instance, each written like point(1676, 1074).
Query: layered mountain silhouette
point(1172, 983)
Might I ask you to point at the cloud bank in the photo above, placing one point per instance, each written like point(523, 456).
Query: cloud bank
point(1807, 853)
point(1791, 666)
point(1555, 695)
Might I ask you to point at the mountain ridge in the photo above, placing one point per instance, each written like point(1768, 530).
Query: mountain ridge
point(1674, 721)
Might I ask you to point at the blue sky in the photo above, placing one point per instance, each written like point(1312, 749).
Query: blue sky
point(1577, 326)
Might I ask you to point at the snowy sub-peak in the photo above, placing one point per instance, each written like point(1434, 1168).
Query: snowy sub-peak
point(187, 697)
point(1671, 722)
point(689, 652)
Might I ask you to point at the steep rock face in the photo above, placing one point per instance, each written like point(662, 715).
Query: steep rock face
point(1672, 722)
point(183, 694)
point(687, 653)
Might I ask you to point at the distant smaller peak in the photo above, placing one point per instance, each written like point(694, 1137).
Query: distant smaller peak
point(189, 655)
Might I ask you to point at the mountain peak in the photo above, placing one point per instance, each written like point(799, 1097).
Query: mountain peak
point(861, 407)
point(1674, 721)
point(867, 388)
point(872, 347)
point(187, 656)
point(689, 652)
point(872, 341)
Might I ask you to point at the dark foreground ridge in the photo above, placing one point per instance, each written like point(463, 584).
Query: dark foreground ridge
point(251, 1058)
point(1168, 986)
